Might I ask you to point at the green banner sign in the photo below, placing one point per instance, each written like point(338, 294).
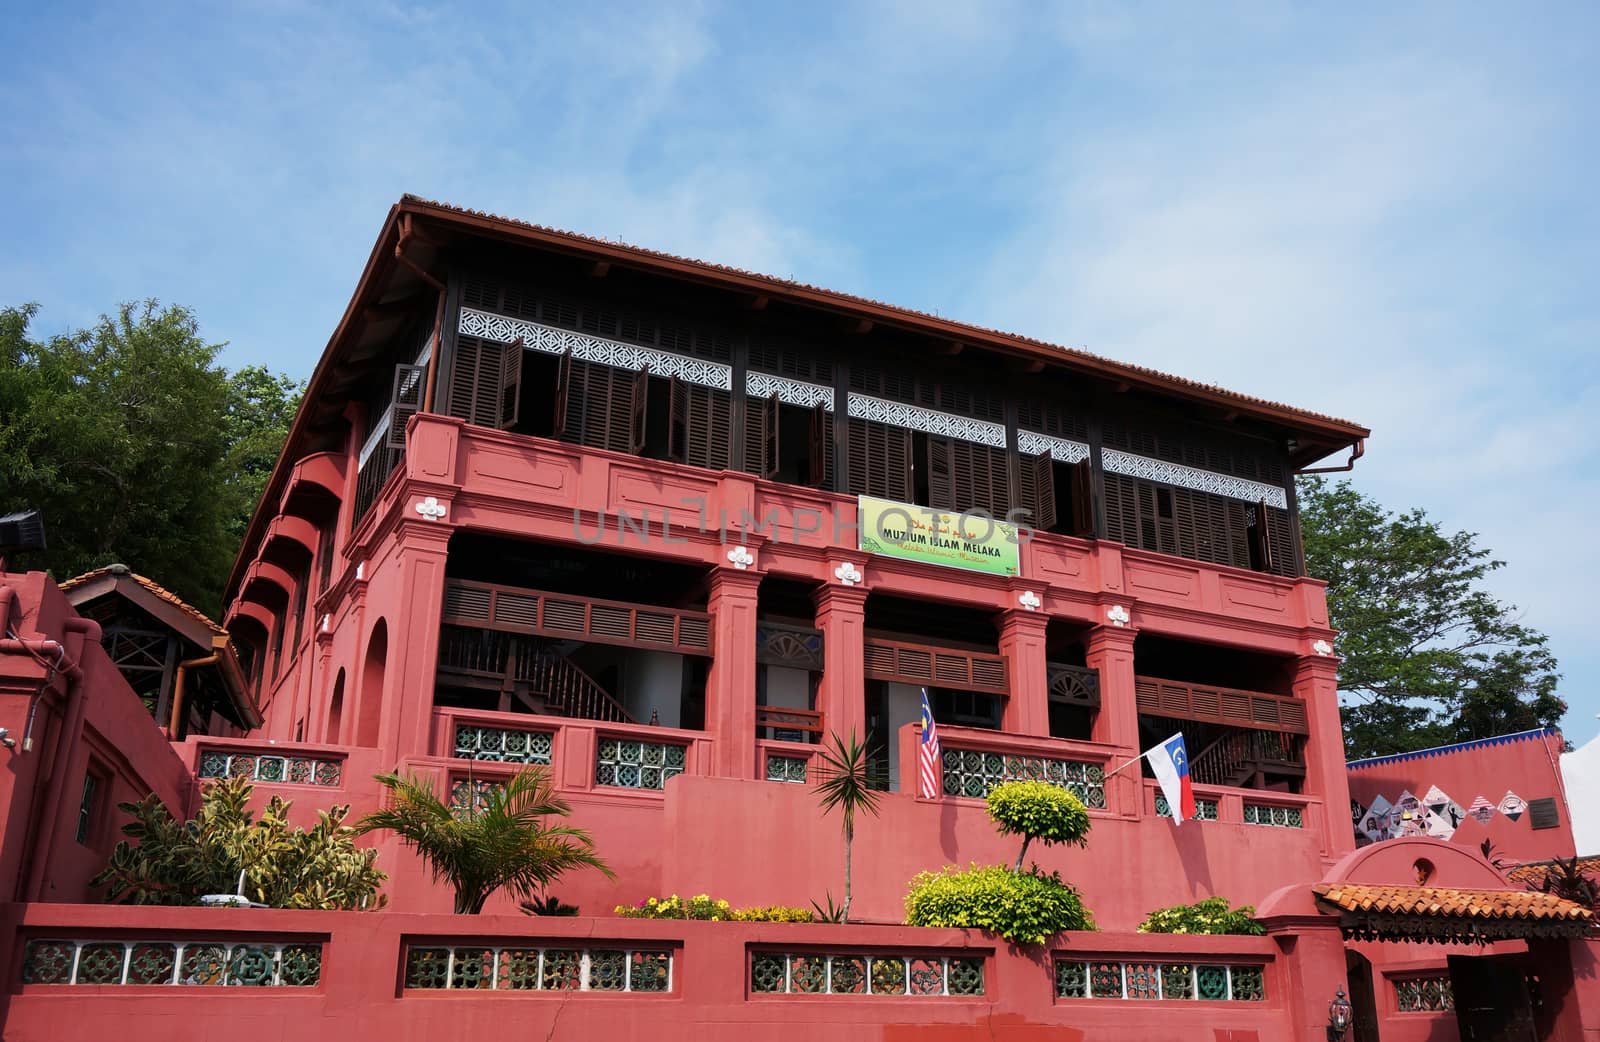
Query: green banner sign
point(914, 533)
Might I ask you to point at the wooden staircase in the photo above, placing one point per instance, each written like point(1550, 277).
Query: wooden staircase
point(1249, 759)
point(530, 674)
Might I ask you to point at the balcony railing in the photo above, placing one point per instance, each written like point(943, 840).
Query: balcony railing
point(510, 609)
point(1222, 705)
point(777, 723)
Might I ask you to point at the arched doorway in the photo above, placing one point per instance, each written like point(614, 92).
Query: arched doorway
point(1363, 997)
point(370, 708)
point(335, 711)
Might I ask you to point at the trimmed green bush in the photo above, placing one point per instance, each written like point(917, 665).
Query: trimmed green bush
point(1024, 908)
point(1037, 810)
point(774, 914)
point(1211, 916)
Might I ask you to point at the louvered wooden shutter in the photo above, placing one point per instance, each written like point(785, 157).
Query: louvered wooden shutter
point(1262, 537)
point(600, 409)
point(761, 436)
point(880, 460)
point(640, 392)
point(563, 385)
point(1083, 498)
point(1036, 490)
point(941, 490)
point(821, 462)
point(700, 425)
point(510, 384)
point(677, 420)
point(406, 400)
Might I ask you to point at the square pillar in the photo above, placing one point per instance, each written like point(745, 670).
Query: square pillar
point(1022, 642)
point(731, 685)
point(1316, 682)
point(1111, 652)
point(413, 631)
point(842, 696)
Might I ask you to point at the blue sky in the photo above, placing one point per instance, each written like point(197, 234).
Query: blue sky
point(1386, 216)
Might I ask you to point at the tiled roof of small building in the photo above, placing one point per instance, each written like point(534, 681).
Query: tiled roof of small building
point(122, 571)
point(1445, 903)
point(1533, 872)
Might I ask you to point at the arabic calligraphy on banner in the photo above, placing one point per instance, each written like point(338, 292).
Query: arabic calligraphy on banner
point(915, 533)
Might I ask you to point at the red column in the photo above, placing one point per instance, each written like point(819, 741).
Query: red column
point(1022, 642)
point(1111, 652)
point(841, 616)
point(1316, 683)
point(731, 685)
point(413, 633)
point(1310, 969)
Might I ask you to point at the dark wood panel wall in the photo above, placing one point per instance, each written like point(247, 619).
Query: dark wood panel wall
point(601, 406)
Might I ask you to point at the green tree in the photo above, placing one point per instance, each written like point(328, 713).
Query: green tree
point(847, 785)
point(178, 862)
point(1429, 656)
point(501, 842)
point(1037, 810)
point(137, 446)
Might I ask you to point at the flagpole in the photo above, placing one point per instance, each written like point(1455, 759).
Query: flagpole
point(1125, 766)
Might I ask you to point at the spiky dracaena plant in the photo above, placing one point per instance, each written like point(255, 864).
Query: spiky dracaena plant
point(178, 862)
point(501, 842)
point(846, 785)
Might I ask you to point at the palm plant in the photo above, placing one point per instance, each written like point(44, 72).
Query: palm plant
point(846, 784)
point(501, 841)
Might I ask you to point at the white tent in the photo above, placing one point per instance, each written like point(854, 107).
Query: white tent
point(1580, 774)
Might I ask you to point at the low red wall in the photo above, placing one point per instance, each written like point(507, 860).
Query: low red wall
point(360, 994)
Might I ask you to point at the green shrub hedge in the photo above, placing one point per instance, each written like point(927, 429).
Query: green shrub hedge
point(1211, 916)
point(1024, 908)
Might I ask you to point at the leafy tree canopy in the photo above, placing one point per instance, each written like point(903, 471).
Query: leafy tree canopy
point(137, 446)
point(1429, 656)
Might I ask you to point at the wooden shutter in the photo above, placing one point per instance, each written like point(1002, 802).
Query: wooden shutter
point(700, 425)
point(880, 460)
point(941, 489)
point(677, 420)
point(563, 388)
point(1083, 498)
point(405, 400)
point(1036, 490)
point(510, 384)
point(600, 409)
point(820, 472)
point(761, 436)
point(638, 406)
point(1262, 538)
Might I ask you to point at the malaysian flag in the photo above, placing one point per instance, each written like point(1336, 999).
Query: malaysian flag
point(928, 761)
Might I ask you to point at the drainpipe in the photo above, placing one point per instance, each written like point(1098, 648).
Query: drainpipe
point(1356, 452)
point(177, 689)
point(438, 313)
point(78, 631)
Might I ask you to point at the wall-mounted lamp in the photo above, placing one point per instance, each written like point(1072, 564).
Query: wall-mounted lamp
point(1338, 1016)
point(6, 739)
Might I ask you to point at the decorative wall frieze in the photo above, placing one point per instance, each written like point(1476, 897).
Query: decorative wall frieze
point(789, 392)
point(898, 414)
point(1062, 450)
point(1115, 461)
point(595, 349)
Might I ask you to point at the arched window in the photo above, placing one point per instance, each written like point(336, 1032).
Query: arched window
point(335, 711)
point(370, 708)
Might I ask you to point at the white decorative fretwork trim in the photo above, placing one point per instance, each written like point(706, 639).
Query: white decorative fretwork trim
point(789, 392)
point(898, 414)
point(555, 341)
point(848, 574)
point(1118, 462)
point(1060, 449)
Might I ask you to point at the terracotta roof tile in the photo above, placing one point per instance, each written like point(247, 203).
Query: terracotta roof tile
point(792, 284)
point(1446, 903)
point(1533, 872)
point(122, 571)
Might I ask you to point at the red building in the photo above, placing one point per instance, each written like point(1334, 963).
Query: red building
point(663, 525)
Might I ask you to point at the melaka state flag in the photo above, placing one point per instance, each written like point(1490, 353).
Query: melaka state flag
point(1170, 761)
point(928, 761)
